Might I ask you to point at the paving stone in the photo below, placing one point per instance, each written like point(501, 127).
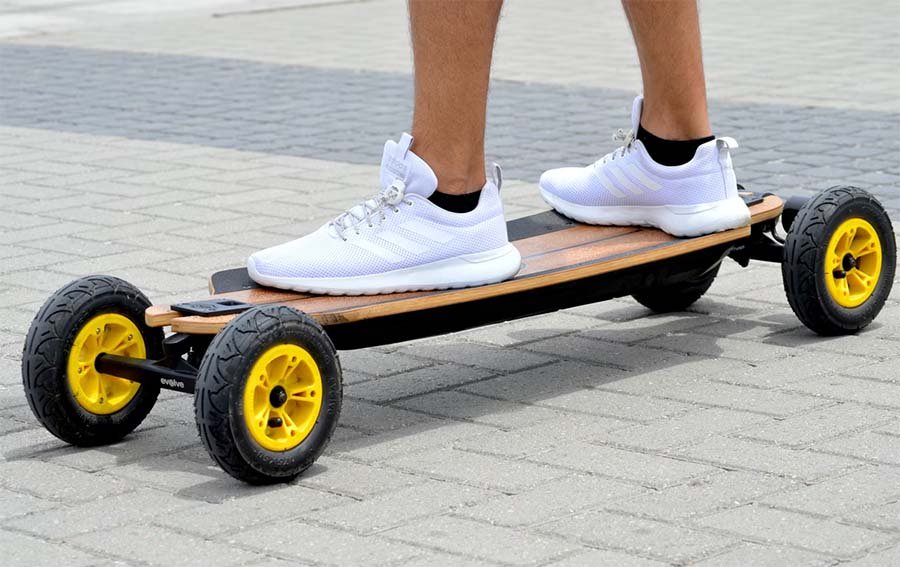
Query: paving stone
point(482, 541)
point(702, 495)
point(101, 514)
point(14, 504)
point(54, 482)
point(868, 445)
point(144, 443)
point(777, 373)
point(550, 500)
point(294, 539)
point(613, 404)
point(616, 355)
point(885, 371)
point(400, 507)
point(736, 453)
point(491, 358)
point(409, 440)
point(416, 382)
point(247, 507)
point(461, 405)
point(817, 425)
point(376, 363)
point(639, 536)
point(25, 551)
point(539, 438)
point(795, 529)
point(530, 329)
point(649, 470)
point(487, 471)
point(645, 328)
point(178, 473)
point(594, 557)
point(179, 549)
point(844, 495)
point(883, 516)
point(889, 556)
point(720, 347)
point(544, 382)
point(375, 418)
point(846, 388)
point(753, 555)
point(691, 427)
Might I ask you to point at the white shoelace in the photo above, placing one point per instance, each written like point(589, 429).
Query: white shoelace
point(627, 138)
point(371, 209)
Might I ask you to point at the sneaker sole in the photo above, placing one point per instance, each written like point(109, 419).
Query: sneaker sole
point(468, 270)
point(677, 220)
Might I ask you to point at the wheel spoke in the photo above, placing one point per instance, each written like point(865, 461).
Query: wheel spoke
point(112, 337)
point(276, 369)
point(860, 278)
point(289, 424)
point(302, 392)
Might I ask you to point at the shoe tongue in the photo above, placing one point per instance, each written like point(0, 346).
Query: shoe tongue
point(636, 108)
point(399, 162)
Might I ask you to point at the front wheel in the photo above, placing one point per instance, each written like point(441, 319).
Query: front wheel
point(839, 261)
point(268, 395)
point(88, 317)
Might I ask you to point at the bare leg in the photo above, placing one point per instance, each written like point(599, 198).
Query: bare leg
point(667, 35)
point(452, 46)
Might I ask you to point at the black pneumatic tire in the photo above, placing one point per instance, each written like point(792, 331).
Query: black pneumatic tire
point(222, 377)
point(803, 268)
point(678, 297)
point(46, 353)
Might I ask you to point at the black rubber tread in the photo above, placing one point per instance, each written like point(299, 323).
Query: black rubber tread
point(218, 402)
point(804, 256)
point(678, 297)
point(46, 353)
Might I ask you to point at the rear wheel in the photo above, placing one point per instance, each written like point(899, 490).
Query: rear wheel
point(268, 395)
point(839, 262)
point(88, 317)
point(676, 297)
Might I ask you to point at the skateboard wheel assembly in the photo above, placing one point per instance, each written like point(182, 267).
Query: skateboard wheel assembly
point(266, 377)
point(839, 261)
point(268, 394)
point(66, 390)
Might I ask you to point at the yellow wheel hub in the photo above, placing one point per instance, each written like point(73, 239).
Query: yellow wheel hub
point(853, 262)
point(282, 397)
point(109, 333)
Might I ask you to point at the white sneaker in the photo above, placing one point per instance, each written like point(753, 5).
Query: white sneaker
point(626, 187)
point(396, 241)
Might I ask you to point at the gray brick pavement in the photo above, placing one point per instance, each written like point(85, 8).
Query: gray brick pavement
point(600, 435)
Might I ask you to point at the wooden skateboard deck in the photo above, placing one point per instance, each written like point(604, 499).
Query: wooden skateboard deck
point(560, 258)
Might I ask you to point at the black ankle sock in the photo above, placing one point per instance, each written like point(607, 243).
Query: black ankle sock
point(670, 152)
point(456, 203)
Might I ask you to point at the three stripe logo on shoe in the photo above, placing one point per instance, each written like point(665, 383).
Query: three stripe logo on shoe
point(424, 230)
point(620, 180)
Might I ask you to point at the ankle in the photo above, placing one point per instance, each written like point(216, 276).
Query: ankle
point(456, 175)
point(676, 123)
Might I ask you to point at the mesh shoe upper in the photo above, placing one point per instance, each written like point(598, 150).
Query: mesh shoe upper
point(399, 228)
point(629, 177)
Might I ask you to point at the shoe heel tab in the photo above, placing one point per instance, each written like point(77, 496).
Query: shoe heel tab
point(497, 174)
point(403, 145)
point(726, 143)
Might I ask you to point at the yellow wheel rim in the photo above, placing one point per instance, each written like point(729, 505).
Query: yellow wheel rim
point(109, 333)
point(853, 263)
point(282, 397)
